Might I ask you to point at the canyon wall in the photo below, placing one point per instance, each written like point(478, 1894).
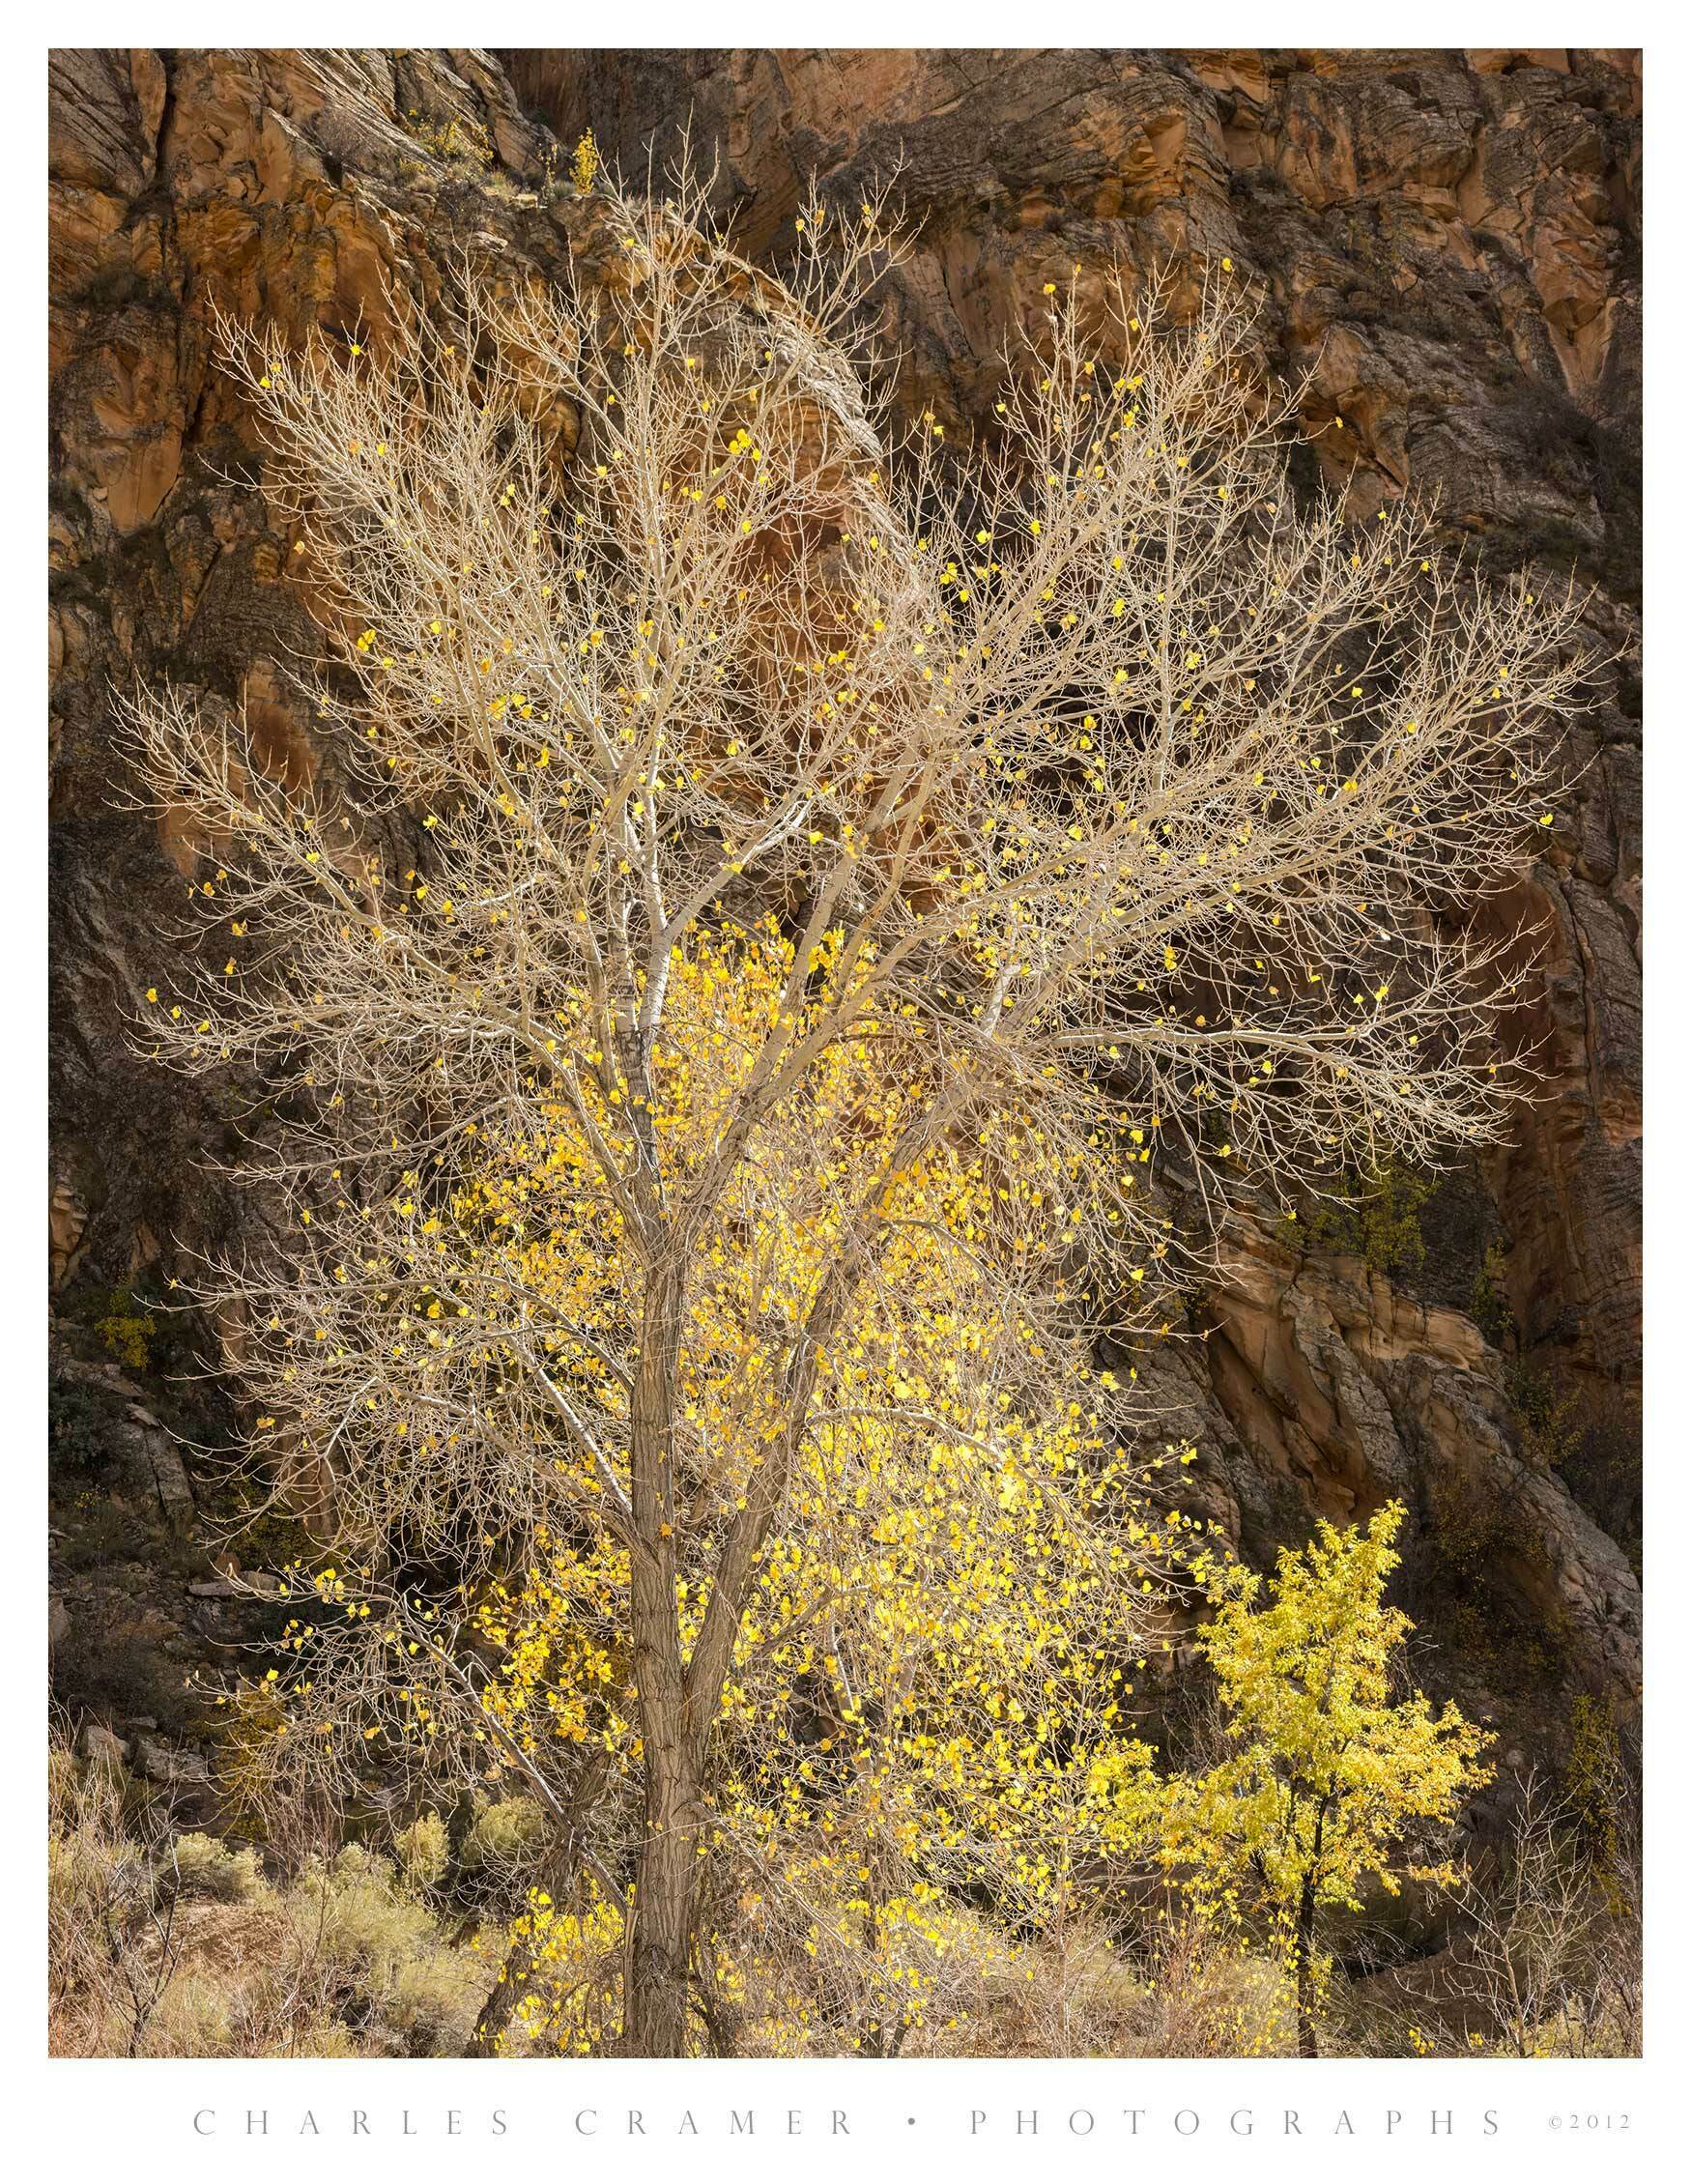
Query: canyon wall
point(1445, 246)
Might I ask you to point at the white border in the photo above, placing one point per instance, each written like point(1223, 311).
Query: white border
point(136, 2120)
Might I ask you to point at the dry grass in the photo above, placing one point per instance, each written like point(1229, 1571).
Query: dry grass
point(176, 1945)
point(167, 1944)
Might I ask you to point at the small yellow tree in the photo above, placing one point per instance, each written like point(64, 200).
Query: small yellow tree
point(1332, 1777)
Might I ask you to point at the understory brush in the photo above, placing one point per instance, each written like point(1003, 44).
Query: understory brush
point(164, 1943)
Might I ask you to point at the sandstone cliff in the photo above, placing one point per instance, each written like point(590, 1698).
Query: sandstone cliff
point(1447, 243)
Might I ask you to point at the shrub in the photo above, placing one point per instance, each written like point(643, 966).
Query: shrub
point(505, 1836)
point(457, 142)
point(423, 1851)
point(195, 2017)
point(205, 1867)
point(1205, 1993)
point(79, 1422)
point(1489, 1306)
point(1597, 1792)
point(1547, 1414)
point(179, 1947)
point(113, 1942)
point(127, 1333)
point(1604, 1471)
point(1376, 1218)
point(385, 1954)
point(104, 1667)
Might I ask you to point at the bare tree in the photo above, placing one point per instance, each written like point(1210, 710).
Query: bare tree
point(1547, 1959)
point(1107, 798)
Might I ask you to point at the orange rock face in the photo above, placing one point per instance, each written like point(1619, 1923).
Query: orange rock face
point(1446, 247)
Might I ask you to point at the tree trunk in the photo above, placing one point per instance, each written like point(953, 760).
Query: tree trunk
point(656, 1998)
point(1307, 2045)
point(659, 1946)
point(500, 2007)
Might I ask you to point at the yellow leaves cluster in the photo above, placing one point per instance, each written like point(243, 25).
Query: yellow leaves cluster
point(939, 1651)
point(1329, 1771)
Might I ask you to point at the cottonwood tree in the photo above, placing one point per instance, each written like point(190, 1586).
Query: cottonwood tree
point(1332, 1780)
point(1111, 801)
point(931, 1677)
